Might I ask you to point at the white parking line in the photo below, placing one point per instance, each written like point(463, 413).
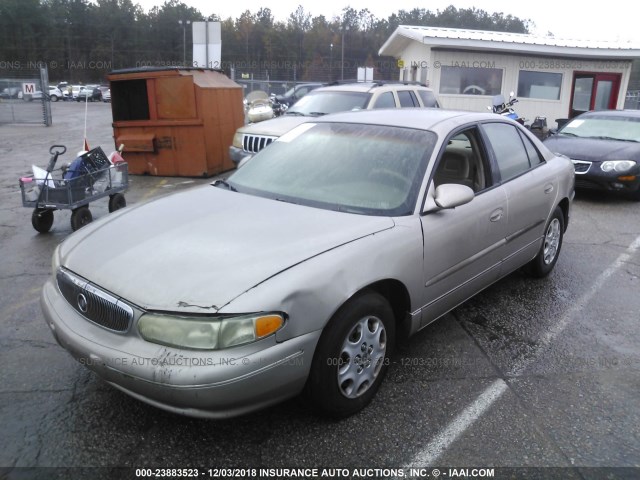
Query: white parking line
point(465, 419)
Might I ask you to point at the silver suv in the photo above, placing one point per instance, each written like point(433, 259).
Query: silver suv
point(253, 137)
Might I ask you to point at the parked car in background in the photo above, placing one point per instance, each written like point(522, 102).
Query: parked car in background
point(251, 138)
point(55, 94)
point(28, 97)
point(604, 147)
point(75, 90)
point(89, 93)
point(295, 93)
point(106, 95)
point(10, 92)
point(103, 89)
point(298, 273)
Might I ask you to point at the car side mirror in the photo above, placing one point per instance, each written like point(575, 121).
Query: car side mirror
point(450, 195)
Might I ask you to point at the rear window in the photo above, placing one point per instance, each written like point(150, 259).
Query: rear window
point(428, 98)
point(407, 99)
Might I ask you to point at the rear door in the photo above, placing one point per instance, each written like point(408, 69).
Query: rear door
point(530, 186)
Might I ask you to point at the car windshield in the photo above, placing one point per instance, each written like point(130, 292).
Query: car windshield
point(321, 103)
point(357, 168)
point(604, 126)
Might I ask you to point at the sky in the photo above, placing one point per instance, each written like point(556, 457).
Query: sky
point(614, 20)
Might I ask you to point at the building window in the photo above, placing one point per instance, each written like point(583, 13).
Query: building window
point(542, 85)
point(470, 81)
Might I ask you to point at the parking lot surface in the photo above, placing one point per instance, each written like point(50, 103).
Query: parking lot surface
point(530, 373)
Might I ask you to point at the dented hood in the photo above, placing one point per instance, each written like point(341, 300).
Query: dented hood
point(197, 250)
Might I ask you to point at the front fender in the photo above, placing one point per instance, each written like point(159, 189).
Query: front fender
point(312, 291)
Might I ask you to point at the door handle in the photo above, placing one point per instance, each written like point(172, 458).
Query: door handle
point(496, 215)
point(548, 188)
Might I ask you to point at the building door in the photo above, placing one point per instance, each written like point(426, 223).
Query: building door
point(594, 91)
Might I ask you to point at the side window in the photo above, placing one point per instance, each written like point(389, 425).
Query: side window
point(508, 149)
point(407, 99)
point(534, 156)
point(463, 162)
point(428, 98)
point(385, 100)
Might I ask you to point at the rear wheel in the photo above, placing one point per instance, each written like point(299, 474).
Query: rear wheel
point(42, 219)
point(352, 356)
point(80, 217)
point(116, 202)
point(547, 257)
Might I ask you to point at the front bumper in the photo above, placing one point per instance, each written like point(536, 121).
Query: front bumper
point(589, 175)
point(210, 384)
point(238, 154)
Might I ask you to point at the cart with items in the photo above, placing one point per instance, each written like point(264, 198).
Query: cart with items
point(89, 177)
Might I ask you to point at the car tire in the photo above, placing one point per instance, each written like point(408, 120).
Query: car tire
point(54, 98)
point(42, 219)
point(352, 356)
point(546, 259)
point(80, 217)
point(116, 202)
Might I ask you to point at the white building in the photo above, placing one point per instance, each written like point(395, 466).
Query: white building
point(552, 77)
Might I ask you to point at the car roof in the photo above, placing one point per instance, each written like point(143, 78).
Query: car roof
point(437, 120)
point(368, 86)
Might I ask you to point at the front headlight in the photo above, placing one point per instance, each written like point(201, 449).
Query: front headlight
point(237, 140)
point(619, 166)
point(207, 333)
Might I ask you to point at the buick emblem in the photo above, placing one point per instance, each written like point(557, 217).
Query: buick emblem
point(83, 304)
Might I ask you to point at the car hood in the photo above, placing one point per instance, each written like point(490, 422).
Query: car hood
point(593, 149)
point(196, 251)
point(274, 127)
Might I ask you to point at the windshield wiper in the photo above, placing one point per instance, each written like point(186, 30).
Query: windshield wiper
point(288, 112)
point(568, 134)
point(317, 114)
point(225, 184)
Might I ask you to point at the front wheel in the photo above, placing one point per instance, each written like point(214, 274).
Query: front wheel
point(352, 356)
point(547, 257)
point(42, 219)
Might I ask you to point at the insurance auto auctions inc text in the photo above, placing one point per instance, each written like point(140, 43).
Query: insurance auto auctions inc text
point(371, 473)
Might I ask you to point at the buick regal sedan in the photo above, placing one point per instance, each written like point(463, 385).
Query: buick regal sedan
point(299, 272)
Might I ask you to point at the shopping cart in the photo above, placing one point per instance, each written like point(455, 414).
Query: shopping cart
point(90, 177)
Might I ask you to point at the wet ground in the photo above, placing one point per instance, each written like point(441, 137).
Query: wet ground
point(529, 373)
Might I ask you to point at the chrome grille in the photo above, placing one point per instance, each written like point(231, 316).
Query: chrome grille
point(581, 166)
point(255, 143)
point(94, 304)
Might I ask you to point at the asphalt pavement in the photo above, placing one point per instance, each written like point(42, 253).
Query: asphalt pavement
point(539, 376)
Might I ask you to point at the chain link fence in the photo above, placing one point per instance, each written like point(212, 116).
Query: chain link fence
point(24, 96)
point(632, 100)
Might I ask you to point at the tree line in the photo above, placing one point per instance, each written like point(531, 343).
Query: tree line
point(81, 40)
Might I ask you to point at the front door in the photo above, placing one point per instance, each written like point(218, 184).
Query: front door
point(463, 246)
point(594, 91)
